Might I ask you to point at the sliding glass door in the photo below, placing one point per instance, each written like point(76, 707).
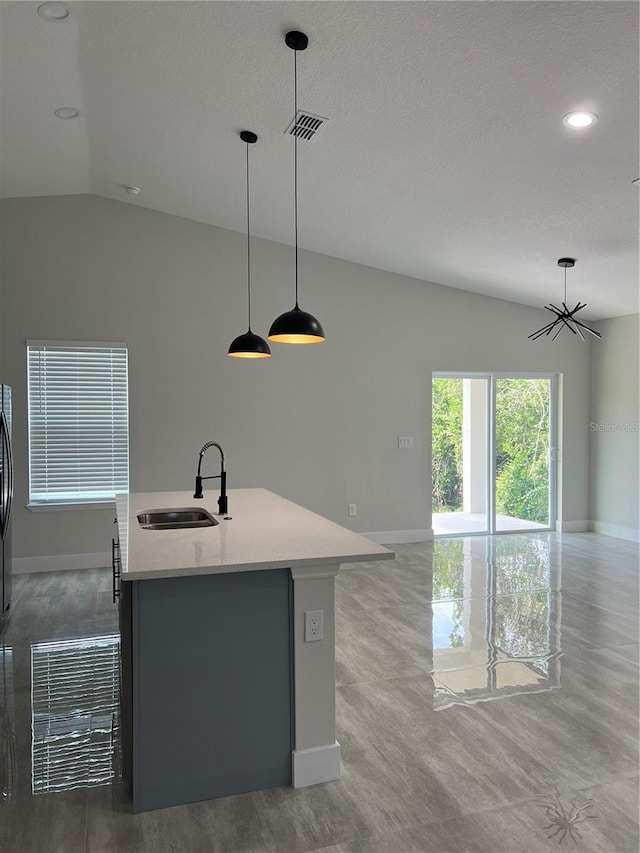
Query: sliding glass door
point(523, 452)
point(460, 462)
point(493, 437)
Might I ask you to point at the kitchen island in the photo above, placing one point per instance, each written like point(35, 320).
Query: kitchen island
point(228, 653)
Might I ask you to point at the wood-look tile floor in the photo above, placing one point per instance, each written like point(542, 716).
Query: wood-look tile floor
point(487, 700)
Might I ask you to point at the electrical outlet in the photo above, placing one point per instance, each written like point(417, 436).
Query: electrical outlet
point(313, 629)
point(405, 441)
point(352, 510)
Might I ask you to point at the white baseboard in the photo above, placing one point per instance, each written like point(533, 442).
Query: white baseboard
point(312, 766)
point(573, 526)
point(628, 533)
point(400, 537)
point(60, 563)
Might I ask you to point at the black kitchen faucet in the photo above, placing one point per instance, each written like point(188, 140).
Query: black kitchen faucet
point(222, 476)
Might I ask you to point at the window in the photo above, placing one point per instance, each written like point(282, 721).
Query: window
point(78, 422)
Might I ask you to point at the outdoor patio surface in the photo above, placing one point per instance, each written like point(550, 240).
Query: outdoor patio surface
point(452, 523)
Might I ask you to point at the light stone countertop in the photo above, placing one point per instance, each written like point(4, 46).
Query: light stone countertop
point(266, 531)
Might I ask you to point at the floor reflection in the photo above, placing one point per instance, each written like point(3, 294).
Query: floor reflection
point(7, 726)
point(484, 777)
point(74, 712)
point(496, 618)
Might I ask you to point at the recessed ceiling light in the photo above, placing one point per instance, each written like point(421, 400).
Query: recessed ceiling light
point(66, 112)
point(132, 190)
point(53, 11)
point(580, 119)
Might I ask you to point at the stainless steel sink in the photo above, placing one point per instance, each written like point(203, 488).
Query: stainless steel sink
point(175, 519)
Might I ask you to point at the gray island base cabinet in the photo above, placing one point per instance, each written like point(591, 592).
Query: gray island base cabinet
point(206, 698)
point(221, 692)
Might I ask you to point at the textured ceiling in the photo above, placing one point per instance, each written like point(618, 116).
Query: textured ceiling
point(445, 157)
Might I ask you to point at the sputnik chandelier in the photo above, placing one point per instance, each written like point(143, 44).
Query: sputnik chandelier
point(564, 317)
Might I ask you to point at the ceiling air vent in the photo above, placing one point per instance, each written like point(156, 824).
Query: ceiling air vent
point(306, 126)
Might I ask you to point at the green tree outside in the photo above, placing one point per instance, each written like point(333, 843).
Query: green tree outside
point(522, 435)
point(446, 431)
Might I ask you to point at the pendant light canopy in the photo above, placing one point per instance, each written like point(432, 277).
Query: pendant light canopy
point(564, 317)
point(296, 326)
point(249, 345)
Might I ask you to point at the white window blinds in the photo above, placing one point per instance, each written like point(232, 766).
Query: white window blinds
point(78, 421)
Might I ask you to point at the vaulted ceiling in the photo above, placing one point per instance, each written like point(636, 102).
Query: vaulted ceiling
point(444, 158)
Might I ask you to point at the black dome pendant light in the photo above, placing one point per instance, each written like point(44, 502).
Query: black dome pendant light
point(296, 326)
point(249, 345)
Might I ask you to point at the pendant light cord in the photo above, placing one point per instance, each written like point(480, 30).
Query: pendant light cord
point(565, 285)
point(295, 156)
point(248, 246)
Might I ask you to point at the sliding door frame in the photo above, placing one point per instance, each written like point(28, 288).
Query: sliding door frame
point(491, 444)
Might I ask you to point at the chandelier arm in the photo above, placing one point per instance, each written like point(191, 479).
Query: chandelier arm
point(563, 318)
point(535, 335)
point(544, 330)
point(568, 324)
point(593, 331)
point(552, 321)
point(567, 318)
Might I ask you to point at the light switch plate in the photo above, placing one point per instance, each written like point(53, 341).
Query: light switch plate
point(405, 441)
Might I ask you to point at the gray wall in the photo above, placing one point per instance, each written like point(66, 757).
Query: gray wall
point(317, 424)
point(615, 419)
point(2, 247)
